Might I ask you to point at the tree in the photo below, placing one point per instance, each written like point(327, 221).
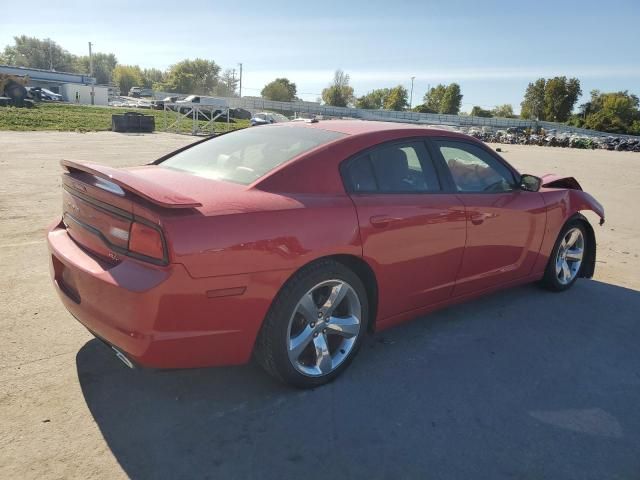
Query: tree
point(374, 100)
point(433, 99)
point(227, 84)
point(532, 105)
point(423, 109)
point(615, 112)
point(339, 93)
point(280, 90)
point(35, 53)
point(444, 99)
point(503, 111)
point(151, 77)
point(551, 100)
point(397, 99)
point(127, 76)
point(103, 65)
point(560, 96)
point(198, 77)
point(477, 111)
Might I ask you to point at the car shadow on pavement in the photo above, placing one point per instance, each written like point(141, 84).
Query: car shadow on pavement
point(519, 384)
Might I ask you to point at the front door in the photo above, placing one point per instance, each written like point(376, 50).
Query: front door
point(505, 224)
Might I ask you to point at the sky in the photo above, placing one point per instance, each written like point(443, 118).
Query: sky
point(493, 49)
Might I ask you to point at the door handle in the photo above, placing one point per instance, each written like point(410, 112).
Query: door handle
point(381, 221)
point(479, 218)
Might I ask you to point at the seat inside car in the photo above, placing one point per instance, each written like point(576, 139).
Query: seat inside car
point(392, 170)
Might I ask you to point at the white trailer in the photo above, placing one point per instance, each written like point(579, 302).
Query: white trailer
point(76, 93)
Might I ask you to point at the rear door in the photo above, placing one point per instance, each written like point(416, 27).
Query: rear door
point(412, 231)
point(505, 224)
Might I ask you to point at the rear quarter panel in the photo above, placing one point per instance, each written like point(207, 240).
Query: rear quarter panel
point(310, 227)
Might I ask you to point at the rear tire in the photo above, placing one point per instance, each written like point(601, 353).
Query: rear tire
point(567, 258)
point(315, 325)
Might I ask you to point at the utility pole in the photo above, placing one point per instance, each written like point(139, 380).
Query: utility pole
point(411, 96)
point(93, 92)
point(50, 57)
point(240, 89)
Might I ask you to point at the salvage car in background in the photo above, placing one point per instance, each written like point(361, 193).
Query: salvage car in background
point(140, 92)
point(42, 94)
point(289, 242)
point(266, 118)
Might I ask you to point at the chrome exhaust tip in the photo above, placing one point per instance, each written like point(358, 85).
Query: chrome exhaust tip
point(122, 357)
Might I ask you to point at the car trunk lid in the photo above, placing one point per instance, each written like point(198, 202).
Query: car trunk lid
point(100, 205)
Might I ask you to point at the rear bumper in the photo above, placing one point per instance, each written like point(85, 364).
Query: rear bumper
point(159, 316)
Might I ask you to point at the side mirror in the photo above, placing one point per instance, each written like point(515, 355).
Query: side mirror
point(530, 183)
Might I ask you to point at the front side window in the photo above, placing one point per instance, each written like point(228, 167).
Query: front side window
point(394, 168)
point(475, 170)
point(248, 154)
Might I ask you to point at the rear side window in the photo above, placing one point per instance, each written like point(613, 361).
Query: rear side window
point(393, 168)
point(246, 155)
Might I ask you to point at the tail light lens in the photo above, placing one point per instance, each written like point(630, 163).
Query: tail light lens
point(147, 241)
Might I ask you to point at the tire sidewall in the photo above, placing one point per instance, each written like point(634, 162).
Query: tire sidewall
point(551, 278)
point(301, 284)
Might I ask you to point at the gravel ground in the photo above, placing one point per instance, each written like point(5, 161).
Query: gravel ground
point(520, 384)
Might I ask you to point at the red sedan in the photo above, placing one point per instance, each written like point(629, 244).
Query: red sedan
point(290, 242)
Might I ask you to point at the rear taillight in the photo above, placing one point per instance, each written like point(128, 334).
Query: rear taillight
point(147, 241)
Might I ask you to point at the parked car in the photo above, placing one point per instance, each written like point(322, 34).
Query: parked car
point(266, 118)
point(159, 104)
point(201, 100)
point(43, 94)
point(290, 242)
point(240, 113)
point(140, 92)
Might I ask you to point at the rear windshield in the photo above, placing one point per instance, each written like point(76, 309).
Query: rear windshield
point(246, 155)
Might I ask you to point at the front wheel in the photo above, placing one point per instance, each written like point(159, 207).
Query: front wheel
point(567, 258)
point(315, 325)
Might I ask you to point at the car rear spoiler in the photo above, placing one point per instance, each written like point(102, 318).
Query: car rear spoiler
point(136, 184)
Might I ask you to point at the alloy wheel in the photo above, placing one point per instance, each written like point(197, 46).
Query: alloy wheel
point(569, 256)
point(324, 327)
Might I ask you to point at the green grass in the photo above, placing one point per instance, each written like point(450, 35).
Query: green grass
point(81, 118)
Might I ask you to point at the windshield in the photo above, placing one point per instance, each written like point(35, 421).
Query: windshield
point(246, 155)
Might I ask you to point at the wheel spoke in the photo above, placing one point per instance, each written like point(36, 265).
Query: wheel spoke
point(574, 255)
point(308, 308)
point(559, 261)
point(346, 327)
point(336, 296)
point(323, 356)
point(300, 342)
point(573, 237)
point(566, 272)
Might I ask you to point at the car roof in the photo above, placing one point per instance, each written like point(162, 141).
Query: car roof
point(307, 173)
point(361, 127)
